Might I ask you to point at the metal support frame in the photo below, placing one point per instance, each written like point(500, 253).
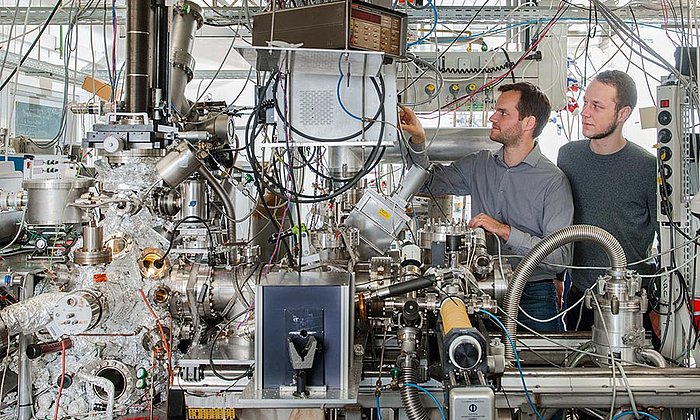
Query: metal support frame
point(448, 14)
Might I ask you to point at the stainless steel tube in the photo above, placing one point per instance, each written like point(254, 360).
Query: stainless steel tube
point(175, 167)
point(225, 200)
point(413, 181)
point(187, 18)
point(24, 380)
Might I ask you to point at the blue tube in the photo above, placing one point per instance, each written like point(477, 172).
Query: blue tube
point(517, 360)
point(631, 413)
point(435, 400)
point(337, 90)
point(432, 30)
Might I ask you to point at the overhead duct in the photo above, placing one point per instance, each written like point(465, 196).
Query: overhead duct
point(450, 144)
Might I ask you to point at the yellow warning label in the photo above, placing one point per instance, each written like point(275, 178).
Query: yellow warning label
point(385, 214)
point(211, 413)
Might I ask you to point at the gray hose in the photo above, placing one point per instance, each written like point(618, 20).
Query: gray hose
point(228, 205)
point(653, 356)
point(587, 346)
point(539, 252)
point(410, 396)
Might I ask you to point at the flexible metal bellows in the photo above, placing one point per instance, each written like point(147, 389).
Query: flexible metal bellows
point(410, 396)
point(539, 252)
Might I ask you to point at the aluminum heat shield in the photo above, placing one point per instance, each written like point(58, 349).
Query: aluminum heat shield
point(379, 220)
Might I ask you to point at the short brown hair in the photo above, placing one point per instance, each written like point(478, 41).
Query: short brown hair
point(532, 102)
point(624, 86)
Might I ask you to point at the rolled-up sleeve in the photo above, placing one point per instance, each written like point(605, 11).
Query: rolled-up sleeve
point(558, 213)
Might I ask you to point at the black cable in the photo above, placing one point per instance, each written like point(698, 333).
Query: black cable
point(448, 47)
point(256, 176)
point(685, 42)
point(73, 21)
point(669, 211)
point(683, 296)
point(693, 327)
point(294, 193)
point(509, 63)
point(301, 162)
point(375, 156)
point(588, 38)
point(664, 195)
point(676, 305)
point(253, 163)
point(684, 36)
point(307, 199)
point(664, 335)
point(104, 42)
point(301, 246)
point(238, 286)
point(476, 70)
point(31, 47)
point(9, 38)
point(380, 110)
point(309, 164)
point(220, 24)
point(646, 76)
point(211, 353)
point(437, 203)
point(216, 74)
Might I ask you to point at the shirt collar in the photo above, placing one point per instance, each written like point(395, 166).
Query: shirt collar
point(531, 159)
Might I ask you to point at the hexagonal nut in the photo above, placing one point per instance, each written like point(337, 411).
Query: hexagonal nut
point(358, 349)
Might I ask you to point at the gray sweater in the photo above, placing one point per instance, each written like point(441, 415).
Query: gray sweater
point(617, 193)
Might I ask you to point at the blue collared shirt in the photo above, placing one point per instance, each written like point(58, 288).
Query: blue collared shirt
point(533, 198)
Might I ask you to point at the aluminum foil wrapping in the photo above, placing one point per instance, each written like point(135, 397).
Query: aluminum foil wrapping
point(137, 174)
point(30, 315)
point(118, 337)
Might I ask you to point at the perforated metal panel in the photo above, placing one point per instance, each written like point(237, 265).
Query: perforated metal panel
point(316, 107)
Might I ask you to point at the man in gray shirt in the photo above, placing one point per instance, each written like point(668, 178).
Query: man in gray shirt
point(517, 193)
point(614, 185)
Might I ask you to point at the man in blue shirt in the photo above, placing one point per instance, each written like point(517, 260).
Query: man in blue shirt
point(516, 192)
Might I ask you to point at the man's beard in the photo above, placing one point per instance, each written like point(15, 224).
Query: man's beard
point(507, 138)
point(605, 133)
